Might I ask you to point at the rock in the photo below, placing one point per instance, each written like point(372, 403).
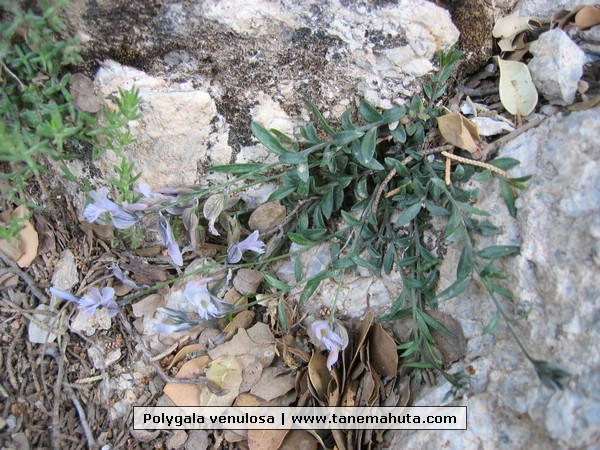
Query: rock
point(246, 281)
point(557, 66)
point(177, 440)
point(197, 440)
point(36, 334)
point(544, 9)
point(556, 273)
point(267, 216)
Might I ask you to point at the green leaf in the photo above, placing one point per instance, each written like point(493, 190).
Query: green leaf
point(277, 284)
point(350, 219)
point(303, 172)
point(410, 348)
point(366, 264)
point(320, 117)
point(343, 263)
point(465, 263)
point(454, 289)
point(498, 251)
point(267, 139)
point(408, 214)
point(341, 138)
point(282, 192)
point(298, 269)
point(399, 133)
point(492, 325)
point(394, 114)
point(419, 365)
point(236, 169)
point(299, 239)
point(472, 210)
point(314, 233)
point(281, 313)
point(312, 284)
point(435, 324)
point(407, 261)
point(396, 164)
point(388, 258)
point(485, 228)
point(504, 163)
point(364, 153)
point(435, 209)
point(327, 204)
point(293, 158)
point(369, 113)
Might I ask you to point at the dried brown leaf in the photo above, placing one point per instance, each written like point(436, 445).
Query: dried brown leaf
point(318, 376)
point(184, 352)
point(299, 439)
point(24, 248)
point(242, 320)
point(383, 351)
point(266, 439)
point(273, 383)
point(226, 374)
point(587, 17)
point(457, 130)
point(187, 394)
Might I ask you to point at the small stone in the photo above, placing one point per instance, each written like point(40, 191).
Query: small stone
point(197, 440)
point(246, 281)
point(557, 66)
point(177, 440)
point(267, 217)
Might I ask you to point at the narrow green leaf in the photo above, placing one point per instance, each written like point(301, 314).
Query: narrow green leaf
point(472, 210)
point(435, 324)
point(327, 204)
point(293, 158)
point(509, 197)
point(388, 259)
point(454, 289)
point(504, 163)
point(320, 118)
point(298, 269)
point(277, 284)
point(282, 192)
point(341, 138)
point(366, 264)
point(343, 263)
point(411, 348)
point(368, 112)
point(303, 172)
point(313, 283)
point(350, 219)
point(490, 327)
point(367, 145)
point(419, 365)
point(408, 214)
point(407, 261)
point(299, 239)
point(435, 209)
point(399, 133)
point(498, 251)
point(236, 169)
point(266, 138)
point(465, 263)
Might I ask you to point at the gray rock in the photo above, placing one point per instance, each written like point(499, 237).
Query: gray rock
point(545, 9)
point(557, 66)
point(556, 274)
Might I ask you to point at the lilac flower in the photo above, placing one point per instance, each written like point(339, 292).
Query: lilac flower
point(122, 276)
point(199, 296)
point(166, 235)
point(235, 251)
point(90, 302)
point(120, 218)
point(166, 328)
point(324, 336)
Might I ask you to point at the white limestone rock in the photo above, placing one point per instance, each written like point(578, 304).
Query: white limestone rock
point(557, 66)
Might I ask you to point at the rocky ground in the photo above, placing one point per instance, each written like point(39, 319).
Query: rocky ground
point(205, 71)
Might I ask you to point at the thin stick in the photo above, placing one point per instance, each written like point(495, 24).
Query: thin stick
point(57, 391)
point(25, 277)
point(472, 162)
point(89, 436)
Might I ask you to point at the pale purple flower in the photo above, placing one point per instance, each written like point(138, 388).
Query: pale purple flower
point(251, 243)
point(324, 336)
point(100, 205)
point(122, 276)
point(166, 235)
point(199, 296)
point(92, 301)
point(166, 328)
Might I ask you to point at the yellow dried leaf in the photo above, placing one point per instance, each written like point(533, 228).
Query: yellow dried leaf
point(266, 439)
point(517, 91)
point(226, 374)
point(459, 131)
point(383, 352)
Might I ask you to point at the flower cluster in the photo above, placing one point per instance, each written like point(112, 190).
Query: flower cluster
point(92, 301)
point(331, 338)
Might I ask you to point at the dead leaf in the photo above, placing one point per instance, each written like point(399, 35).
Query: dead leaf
point(184, 352)
point(273, 383)
point(452, 347)
point(459, 131)
point(587, 17)
point(84, 97)
point(517, 91)
point(510, 26)
point(24, 248)
point(299, 439)
point(383, 351)
point(187, 394)
point(258, 342)
point(266, 439)
point(246, 399)
point(318, 375)
point(225, 373)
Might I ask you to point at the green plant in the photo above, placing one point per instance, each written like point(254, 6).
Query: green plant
point(38, 115)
